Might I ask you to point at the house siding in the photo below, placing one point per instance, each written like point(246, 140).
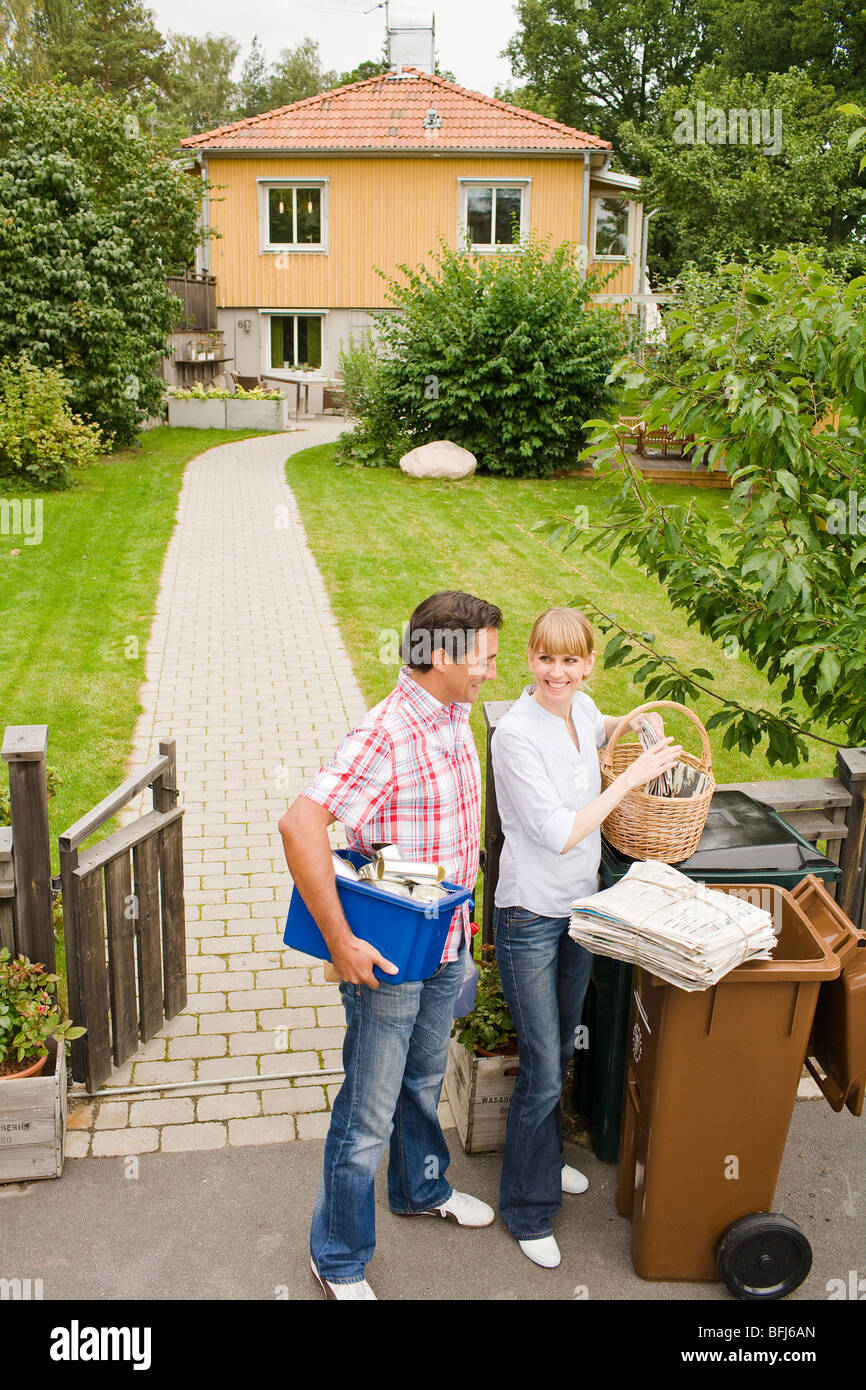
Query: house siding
point(382, 211)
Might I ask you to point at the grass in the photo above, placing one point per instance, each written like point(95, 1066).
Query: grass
point(76, 611)
point(383, 541)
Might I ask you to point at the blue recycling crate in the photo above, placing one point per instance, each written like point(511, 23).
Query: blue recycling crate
point(409, 934)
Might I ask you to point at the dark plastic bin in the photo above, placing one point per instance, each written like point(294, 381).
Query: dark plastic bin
point(744, 842)
point(409, 934)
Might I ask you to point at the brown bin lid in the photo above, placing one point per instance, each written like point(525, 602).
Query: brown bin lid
point(838, 1041)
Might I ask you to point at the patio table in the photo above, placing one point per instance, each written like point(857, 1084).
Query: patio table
point(299, 379)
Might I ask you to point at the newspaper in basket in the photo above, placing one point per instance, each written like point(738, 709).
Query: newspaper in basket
point(666, 828)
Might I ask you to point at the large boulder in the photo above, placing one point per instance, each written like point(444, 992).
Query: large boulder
point(442, 459)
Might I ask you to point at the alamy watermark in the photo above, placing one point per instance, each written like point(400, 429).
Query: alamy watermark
point(847, 515)
point(417, 648)
point(738, 126)
point(19, 518)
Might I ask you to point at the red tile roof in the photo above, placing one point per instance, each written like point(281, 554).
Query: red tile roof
point(388, 113)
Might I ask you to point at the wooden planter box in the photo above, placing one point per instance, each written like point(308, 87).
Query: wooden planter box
point(257, 415)
point(197, 415)
point(33, 1122)
point(479, 1092)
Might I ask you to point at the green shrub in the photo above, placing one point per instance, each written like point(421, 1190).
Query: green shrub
point(504, 354)
point(377, 439)
point(41, 441)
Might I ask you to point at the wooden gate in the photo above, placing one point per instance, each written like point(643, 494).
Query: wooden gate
point(123, 919)
point(123, 908)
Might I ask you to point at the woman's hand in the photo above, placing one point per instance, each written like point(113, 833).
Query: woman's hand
point(652, 763)
point(654, 720)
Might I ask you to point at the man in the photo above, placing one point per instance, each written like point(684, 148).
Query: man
point(408, 775)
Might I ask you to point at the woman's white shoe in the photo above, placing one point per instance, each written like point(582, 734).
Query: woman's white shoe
point(542, 1251)
point(572, 1180)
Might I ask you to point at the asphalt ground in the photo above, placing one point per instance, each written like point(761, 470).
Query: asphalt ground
point(232, 1225)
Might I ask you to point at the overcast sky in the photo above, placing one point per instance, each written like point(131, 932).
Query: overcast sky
point(469, 33)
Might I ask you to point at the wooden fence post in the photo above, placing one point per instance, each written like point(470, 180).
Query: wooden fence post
point(7, 890)
point(165, 794)
point(851, 763)
point(24, 748)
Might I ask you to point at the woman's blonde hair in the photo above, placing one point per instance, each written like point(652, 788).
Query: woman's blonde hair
point(562, 632)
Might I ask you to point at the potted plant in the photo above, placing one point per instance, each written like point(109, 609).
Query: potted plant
point(482, 1064)
point(28, 1017)
point(32, 1071)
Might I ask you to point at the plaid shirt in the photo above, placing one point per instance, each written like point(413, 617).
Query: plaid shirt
point(409, 775)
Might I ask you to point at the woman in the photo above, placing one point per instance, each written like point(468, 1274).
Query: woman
point(548, 790)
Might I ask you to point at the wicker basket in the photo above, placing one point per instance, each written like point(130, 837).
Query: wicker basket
point(655, 827)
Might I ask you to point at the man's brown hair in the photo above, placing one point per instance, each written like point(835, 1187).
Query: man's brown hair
point(450, 620)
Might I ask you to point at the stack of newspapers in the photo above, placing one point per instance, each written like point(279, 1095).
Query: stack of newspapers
point(682, 931)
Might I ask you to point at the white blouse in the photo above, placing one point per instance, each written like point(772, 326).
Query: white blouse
point(541, 782)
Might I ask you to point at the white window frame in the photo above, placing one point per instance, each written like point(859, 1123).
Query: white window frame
point(597, 200)
point(492, 181)
point(276, 248)
point(265, 316)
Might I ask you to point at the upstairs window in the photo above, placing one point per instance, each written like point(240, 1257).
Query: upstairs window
point(293, 216)
point(494, 215)
point(611, 229)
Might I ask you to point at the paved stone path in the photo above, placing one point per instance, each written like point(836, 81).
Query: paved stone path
point(247, 671)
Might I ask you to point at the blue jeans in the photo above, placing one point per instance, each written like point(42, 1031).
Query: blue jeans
point(544, 977)
point(394, 1056)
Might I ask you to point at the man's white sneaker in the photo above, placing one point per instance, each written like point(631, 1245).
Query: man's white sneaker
point(572, 1180)
point(460, 1207)
point(542, 1251)
point(359, 1290)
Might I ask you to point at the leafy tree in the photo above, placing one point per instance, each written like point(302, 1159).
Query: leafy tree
point(771, 378)
point(28, 33)
point(114, 43)
point(298, 73)
point(95, 219)
point(798, 184)
point(825, 39)
point(503, 354)
point(598, 64)
point(202, 89)
point(254, 86)
point(371, 67)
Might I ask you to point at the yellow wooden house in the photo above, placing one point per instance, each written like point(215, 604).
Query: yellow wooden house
point(311, 199)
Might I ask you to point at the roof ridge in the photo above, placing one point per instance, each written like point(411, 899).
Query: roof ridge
point(249, 122)
point(511, 108)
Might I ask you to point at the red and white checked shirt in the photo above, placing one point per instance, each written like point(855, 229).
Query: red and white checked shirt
point(409, 775)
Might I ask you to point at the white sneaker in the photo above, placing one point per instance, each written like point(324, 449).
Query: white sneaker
point(460, 1207)
point(359, 1290)
point(572, 1180)
point(542, 1251)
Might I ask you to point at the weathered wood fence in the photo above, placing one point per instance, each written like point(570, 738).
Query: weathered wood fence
point(123, 907)
point(824, 810)
point(198, 293)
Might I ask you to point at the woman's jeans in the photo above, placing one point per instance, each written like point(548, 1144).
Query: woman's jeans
point(544, 977)
point(394, 1056)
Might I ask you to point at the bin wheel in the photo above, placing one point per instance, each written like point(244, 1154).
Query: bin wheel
point(764, 1255)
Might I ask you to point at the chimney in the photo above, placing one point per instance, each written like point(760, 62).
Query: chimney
point(411, 41)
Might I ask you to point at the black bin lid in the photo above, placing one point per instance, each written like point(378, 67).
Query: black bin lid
point(742, 834)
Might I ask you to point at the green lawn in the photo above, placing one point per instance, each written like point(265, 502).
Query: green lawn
point(76, 611)
point(383, 541)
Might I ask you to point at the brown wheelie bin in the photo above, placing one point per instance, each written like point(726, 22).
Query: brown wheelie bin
point(711, 1081)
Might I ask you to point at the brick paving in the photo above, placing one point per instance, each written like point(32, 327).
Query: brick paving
point(247, 671)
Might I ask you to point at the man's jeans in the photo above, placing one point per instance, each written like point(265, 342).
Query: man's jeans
point(544, 977)
point(394, 1056)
